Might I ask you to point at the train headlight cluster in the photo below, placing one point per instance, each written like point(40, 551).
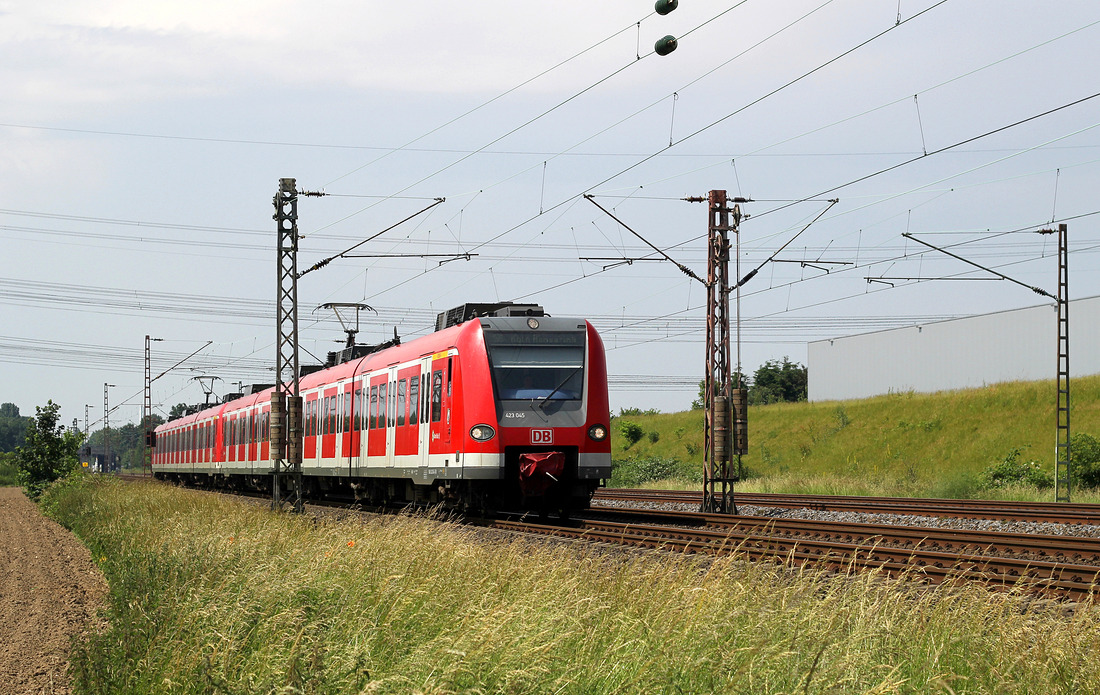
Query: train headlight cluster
point(482, 433)
point(597, 433)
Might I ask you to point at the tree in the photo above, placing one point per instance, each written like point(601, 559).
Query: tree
point(697, 404)
point(48, 451)
point(12, 427)
point(776, 382)
point(178, 411)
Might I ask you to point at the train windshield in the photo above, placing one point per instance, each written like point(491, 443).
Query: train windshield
point(530, 365)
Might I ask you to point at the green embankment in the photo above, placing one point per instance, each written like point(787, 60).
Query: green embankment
point(907, 444)
point(210, 594)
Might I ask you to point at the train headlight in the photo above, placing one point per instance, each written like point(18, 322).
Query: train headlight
point(482, 433)
point(532, 323)
point(597, 433)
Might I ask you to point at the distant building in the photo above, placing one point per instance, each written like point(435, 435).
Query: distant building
point(1016, 345)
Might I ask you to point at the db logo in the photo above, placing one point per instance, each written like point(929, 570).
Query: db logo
point(542, 436)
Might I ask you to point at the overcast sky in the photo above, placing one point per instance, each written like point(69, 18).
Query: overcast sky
point(143, 143)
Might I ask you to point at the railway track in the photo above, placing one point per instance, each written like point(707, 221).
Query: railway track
point(1053, 565)
point(967, 509)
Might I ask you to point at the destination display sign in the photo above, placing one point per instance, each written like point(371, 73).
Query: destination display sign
point(547, 338)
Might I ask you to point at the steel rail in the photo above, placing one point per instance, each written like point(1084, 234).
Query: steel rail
point(1076, 549)
point(969, 509)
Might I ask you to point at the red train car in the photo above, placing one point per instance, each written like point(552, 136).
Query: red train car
point(496, 413)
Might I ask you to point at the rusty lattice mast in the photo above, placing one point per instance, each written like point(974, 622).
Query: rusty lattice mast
point(286, 403)
point(723, 400)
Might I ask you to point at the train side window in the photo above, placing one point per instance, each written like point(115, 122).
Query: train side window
point(382, 404)
point(324, 416)
point(437, 395)
point(426, 395)
point(347, 412)
point(401, 407)
point(450, 372)
point(414, 400)
point(393, 404)
point(357, 413)
point(373, 407)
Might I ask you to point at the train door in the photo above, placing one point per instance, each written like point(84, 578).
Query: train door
point(391, 417)
point(309, 426)
point(242, 437)
point(219, 438)
point(376, 421)
point(359, 434)
point(265, 433)
point(253, 421)
point(402, 446)
point(231, 438)
point(346, 428)
point(328, 424)
point(441, 404)
point(424, 427)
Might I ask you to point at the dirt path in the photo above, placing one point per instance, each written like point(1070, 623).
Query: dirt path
point(49, 591)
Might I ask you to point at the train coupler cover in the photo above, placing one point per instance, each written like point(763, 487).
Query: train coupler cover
point(538, 471)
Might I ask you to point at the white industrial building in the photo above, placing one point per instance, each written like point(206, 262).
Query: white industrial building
point(1016, 345)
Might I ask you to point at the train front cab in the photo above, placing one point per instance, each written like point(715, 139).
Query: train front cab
point(549, 399)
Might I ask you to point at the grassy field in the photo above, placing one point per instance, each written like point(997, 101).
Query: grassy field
point(215, 595)
point(927, 445)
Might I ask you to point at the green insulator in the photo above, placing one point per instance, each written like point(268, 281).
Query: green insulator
point(663, 7)
point(665, 46)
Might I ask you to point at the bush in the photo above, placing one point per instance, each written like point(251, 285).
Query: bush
point(654, 437)
point(1084, 454)
point(631, 432)
point(48, 452)
point(1013, 471)
point(637, 471)
point(638, 411)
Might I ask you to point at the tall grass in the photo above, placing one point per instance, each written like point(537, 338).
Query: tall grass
point(213, 595)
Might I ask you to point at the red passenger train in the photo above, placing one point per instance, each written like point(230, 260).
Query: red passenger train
point(497, 413)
